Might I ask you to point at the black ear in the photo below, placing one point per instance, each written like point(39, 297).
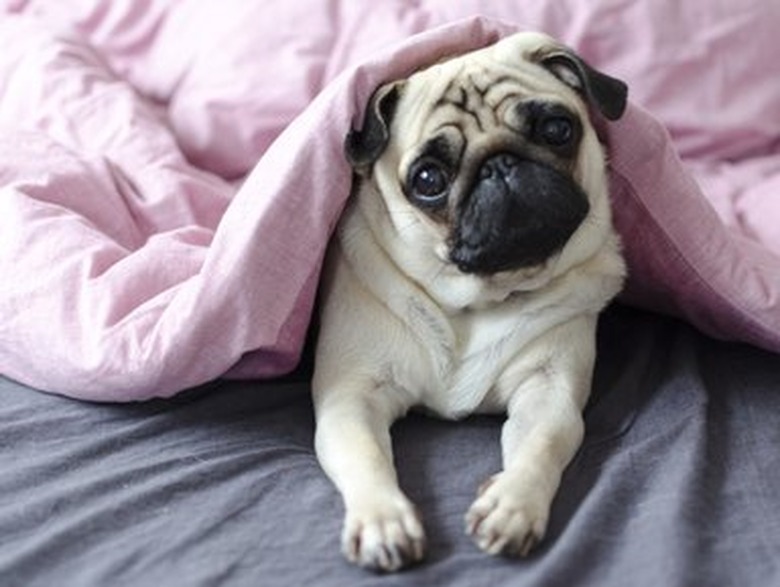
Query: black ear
point(366, 145)
point(607, 94)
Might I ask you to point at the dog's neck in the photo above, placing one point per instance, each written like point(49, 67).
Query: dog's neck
point(438, 293)
point(414, 254)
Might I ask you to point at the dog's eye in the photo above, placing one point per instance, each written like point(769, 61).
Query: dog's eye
point(428, 183)
point(556, 131)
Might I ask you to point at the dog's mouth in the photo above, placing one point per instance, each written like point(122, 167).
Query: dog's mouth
point(517, 215)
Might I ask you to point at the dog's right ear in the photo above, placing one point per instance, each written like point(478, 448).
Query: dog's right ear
point(363, 147)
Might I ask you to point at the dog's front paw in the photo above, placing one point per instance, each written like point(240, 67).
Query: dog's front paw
point(383, 533)
point(506, 520)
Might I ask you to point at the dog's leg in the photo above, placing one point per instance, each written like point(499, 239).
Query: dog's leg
point(543, 431)
point(382, 529)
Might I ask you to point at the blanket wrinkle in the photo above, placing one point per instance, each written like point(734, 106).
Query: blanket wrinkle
point(171, 170)
point(715, 259)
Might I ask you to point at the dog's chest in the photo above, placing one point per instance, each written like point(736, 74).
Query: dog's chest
point(461, 359)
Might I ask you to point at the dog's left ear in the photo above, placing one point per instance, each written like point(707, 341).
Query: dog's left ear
point(607, 94)
point(363, 147)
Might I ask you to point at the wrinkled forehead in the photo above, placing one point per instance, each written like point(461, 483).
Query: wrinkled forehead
point(481, 89)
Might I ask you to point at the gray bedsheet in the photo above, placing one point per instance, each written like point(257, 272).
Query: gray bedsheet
point(678, 482)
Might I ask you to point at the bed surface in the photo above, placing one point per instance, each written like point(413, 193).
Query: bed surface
point(676, 483)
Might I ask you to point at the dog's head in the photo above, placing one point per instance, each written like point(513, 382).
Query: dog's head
point(488, 163)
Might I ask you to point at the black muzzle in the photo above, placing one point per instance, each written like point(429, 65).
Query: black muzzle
point(518, 214)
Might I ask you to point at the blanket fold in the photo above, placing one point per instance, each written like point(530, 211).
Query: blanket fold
point(170, 176)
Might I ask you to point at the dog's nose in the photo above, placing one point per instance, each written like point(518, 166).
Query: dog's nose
point(518, 213)
point(499, 166)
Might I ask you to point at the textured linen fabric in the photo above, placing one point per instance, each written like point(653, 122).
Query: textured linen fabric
point(170, 170)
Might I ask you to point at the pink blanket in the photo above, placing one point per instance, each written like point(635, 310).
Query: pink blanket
point(170, 170)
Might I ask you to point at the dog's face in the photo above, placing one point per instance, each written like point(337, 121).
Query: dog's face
point(487, 166)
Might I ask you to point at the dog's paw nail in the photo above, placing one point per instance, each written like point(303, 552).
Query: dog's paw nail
point(385, 537)
point(500, 522)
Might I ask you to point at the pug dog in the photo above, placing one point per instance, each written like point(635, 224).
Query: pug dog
point(466, 276)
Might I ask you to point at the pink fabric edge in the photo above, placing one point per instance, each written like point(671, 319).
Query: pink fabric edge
point(682, 260)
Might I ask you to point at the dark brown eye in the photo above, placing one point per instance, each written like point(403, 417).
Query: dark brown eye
point(429, 183)
point(556, 131)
